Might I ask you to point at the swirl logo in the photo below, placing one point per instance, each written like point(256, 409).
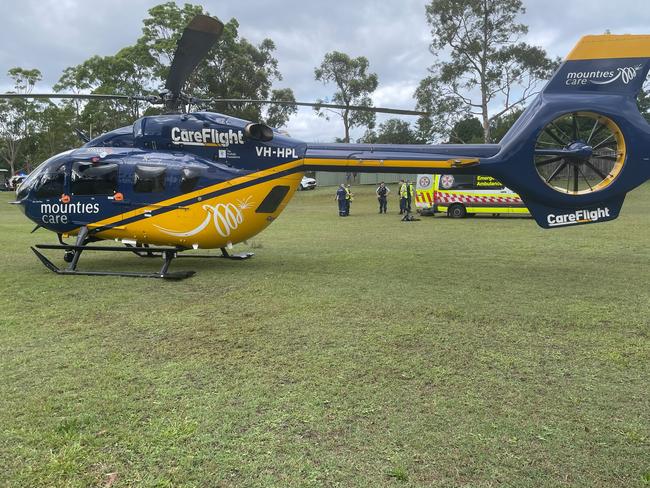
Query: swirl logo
point(225, 216)
point(626, 74)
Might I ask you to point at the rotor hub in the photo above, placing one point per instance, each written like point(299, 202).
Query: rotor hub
point(579, 150)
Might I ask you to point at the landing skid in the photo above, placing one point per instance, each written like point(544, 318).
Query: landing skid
point(149, 252)
point(168, 255)
point(224, 255)
point(73, 253)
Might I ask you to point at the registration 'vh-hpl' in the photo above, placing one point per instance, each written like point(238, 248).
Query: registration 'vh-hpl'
point(202, 180)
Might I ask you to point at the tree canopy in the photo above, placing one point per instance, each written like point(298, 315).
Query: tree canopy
point(354, 85)
point(18, 117)
point(392, 131)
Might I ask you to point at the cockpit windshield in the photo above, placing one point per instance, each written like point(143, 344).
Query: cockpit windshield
point(35, 176)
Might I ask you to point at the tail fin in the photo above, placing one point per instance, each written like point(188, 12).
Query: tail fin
point(604, 64)
point(584, 133)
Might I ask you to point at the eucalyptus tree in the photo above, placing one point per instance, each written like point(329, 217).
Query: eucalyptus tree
point(486, 70)
point(17, 118)
point(354, 86)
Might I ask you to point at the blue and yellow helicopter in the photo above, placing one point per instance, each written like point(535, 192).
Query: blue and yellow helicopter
point(202, 180)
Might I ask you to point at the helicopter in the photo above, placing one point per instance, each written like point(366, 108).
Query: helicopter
point(202, 180)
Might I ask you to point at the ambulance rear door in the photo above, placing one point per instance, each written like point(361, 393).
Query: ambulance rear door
point(424, 186)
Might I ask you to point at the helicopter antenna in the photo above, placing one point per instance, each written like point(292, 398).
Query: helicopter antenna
point(82, 135)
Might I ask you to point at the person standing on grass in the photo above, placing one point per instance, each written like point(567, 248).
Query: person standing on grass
point(409, 194)
point(382, 195)
point(403, 189)
point(340, 199)
point(348, 199)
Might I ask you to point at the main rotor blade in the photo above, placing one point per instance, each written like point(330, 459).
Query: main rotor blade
point(197, 39)
point(71, 96)
point(382, 110)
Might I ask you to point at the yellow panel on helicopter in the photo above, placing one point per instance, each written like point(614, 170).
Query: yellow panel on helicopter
point(213, 222)
point(611, 46)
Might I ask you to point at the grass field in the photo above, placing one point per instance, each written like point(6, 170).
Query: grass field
point(348, 352)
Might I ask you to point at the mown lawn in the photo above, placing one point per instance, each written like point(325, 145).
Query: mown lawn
point(348, 352)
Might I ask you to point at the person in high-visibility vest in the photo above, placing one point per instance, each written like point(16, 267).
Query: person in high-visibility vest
point(410, 191)
point(348, 199)
point(403, 190)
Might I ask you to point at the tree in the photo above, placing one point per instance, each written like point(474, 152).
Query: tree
point(482, 38)
point(466, 131)
point(501, 125)
point(53, 133)
point(125, 73)
point(392, 131)
point(17, 116)
point(278, 115)
point(354, 86)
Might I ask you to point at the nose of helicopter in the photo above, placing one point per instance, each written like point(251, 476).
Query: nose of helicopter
point(21, 197)
point(21, 204)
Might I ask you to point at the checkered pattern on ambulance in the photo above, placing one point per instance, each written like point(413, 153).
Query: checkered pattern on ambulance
point(445, 197)
point(424, 197)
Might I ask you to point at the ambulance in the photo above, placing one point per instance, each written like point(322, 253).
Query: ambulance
point(461, 195)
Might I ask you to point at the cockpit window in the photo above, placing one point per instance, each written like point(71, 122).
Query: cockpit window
point(93, 179)
point(34, 177)
point(120, 140)
point(149, 179)
point(51, 183)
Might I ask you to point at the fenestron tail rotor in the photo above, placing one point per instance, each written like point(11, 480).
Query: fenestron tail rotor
point(580, 153)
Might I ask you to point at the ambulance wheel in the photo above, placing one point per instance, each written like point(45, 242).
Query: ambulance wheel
point(457, 211)
point(68, 256)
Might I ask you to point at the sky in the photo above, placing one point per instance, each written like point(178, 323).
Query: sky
point(393, 34)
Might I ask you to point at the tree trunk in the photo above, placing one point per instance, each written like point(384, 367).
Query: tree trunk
point(10, 154)
point(484, 89)
point(346, 124)
point(486, 124)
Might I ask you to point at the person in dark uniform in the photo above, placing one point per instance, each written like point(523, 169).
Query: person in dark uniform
point(382, 196)
point(340, 199)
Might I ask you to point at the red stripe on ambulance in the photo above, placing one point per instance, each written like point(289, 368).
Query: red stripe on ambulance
point(458, 198)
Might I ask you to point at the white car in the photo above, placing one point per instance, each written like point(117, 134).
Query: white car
point(307, 183)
